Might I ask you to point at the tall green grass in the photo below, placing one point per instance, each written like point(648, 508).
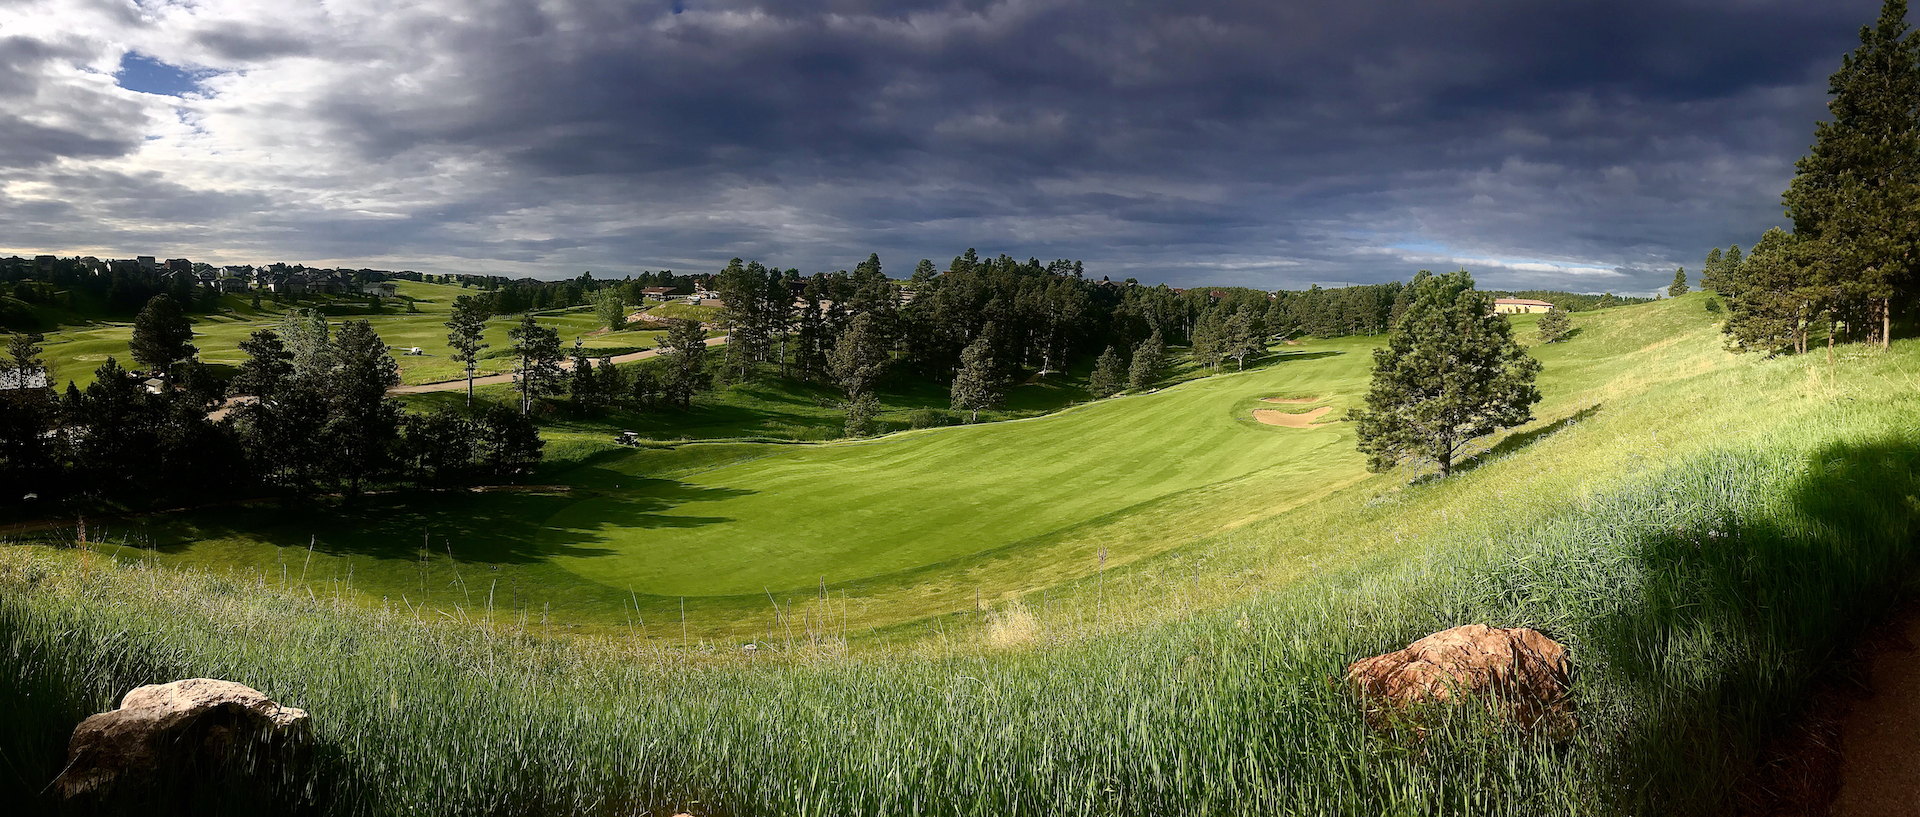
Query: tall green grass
point(1698, 598)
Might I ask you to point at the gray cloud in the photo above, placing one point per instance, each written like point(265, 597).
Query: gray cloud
point(1582, 144)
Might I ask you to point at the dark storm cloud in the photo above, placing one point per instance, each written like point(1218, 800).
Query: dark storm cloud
point(1582, 144)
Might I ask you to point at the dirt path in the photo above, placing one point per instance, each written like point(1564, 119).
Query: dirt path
point(1880, 738)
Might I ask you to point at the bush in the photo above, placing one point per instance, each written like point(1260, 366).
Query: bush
point(932, 418)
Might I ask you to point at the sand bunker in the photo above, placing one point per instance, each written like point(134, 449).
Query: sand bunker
point(1281, 418)
point(1294, 400)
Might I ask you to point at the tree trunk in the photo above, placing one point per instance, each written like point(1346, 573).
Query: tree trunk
point(1446, 463)
point(1886, 323)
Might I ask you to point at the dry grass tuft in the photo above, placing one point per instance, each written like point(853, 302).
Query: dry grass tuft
point(1012, 626)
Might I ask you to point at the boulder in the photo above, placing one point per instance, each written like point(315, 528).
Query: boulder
point(1519, 673)
point(195, 726)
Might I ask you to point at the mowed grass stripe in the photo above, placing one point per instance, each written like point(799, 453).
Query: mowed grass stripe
point(853, 511)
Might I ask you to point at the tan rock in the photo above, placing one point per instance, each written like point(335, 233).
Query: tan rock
point(1520, 673)
point(198, 723)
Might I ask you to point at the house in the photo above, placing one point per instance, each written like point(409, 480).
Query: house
point(379, 289)
point(656, 293)
point(146, 263)
point(1519, 306)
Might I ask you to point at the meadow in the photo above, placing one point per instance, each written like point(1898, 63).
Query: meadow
point(1703, 531)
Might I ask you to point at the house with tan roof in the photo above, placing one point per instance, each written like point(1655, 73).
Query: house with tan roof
point(1519, 306)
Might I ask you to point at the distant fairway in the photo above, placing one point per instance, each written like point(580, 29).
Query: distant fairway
point(861, 511)
point(75, 352)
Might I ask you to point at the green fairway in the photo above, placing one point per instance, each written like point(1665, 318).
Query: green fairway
point(915, 524)
point(912, 524)
point(859, 511)
point(74, 352)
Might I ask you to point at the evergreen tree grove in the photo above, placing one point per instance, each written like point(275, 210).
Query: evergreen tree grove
point(1855, 202)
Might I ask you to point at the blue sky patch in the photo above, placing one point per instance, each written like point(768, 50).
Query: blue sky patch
point(139, 72)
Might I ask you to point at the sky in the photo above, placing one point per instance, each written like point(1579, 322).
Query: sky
point(1585, 145)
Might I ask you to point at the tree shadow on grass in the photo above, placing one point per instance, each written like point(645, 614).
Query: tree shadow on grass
point(1290, 357)
point(1730, 619)
point(1515, 442)
point(500, 528)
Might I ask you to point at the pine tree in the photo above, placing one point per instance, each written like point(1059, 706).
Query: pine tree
point(1710, 272)
point(464, 329)
point(686, 362)
point(1679, 287)
point(1149, 358)
point(268, 367)
point(1856, 198)
point(162, 336)
point(23, 359)
point(859, 357)
point(979, 383)
point(924, 271)
point(743, 288)
point(309, 339)
point(538, 348)
point(1209, 340)
point(1242, 338)
point(582, 384)
point(1449, 374)
point(861, 411)
point(1555, 325)
point(364, 424)
point(1777, 298)
point(1107, 374)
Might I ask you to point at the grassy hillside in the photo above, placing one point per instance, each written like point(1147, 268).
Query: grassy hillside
point(1704, 532)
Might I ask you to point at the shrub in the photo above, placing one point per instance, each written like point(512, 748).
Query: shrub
point(932, 418)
